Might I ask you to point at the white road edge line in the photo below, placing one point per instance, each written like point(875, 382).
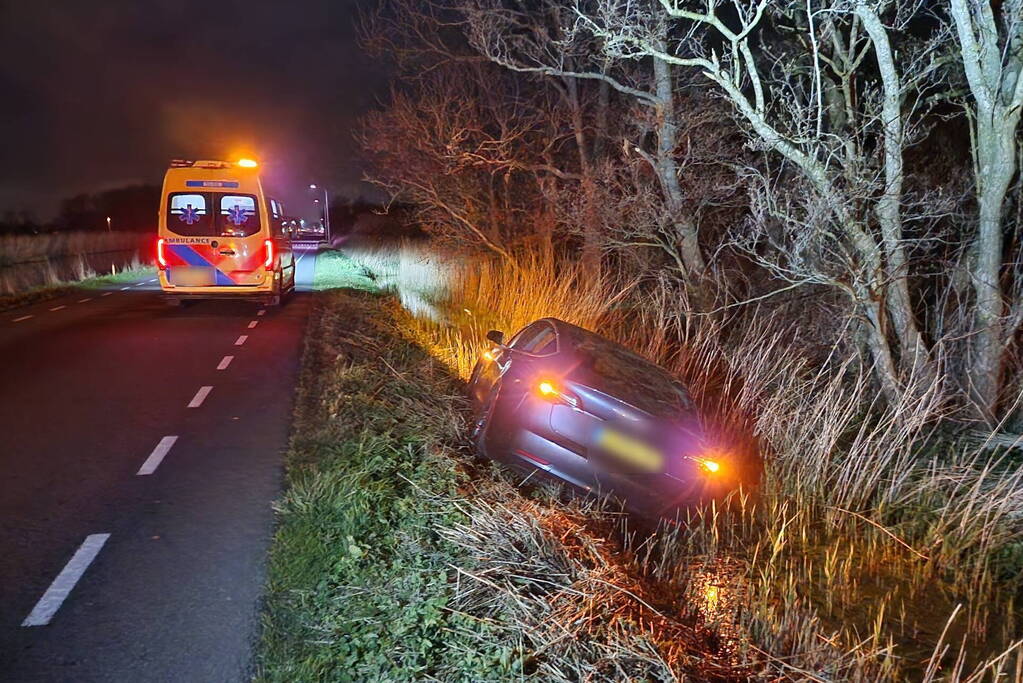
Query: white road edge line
point(61, 587)
point(253, 324)
point(156, 457)
point(57, 308)
point(241, 340)
point(82, 301)
point(199, 397)
point(24, 317)
point(224, 362)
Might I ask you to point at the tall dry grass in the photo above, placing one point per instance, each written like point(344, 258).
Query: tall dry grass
point(878, 546)
point(16, 249)
point(48, 260)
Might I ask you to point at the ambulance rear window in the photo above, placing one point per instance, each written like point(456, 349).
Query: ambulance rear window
point(188, 214)
point(212, 214)
point(238, 216)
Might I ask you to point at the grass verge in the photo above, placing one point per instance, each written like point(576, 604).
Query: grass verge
point(397, 557)
point(878, 548)
point(54, 291)
point(335, 270)
point(359, 576)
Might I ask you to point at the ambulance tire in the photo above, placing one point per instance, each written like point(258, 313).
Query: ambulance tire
point(275, 298)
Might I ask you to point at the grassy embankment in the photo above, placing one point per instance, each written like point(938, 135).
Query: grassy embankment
point(52, 291)
point(49, 265)
point(397, 557)
point(877, 546)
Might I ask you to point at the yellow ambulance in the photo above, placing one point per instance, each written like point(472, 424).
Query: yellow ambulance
point(221, 235)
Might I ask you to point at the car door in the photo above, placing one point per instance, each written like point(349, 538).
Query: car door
point(504, 381)
point(521, 421)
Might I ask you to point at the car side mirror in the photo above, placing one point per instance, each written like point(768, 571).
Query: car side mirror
point(496, 336)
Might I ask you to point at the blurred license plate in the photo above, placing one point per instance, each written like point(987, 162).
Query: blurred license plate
point(630, 451)
point(192, 276)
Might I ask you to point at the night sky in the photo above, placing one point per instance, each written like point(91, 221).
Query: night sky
point(97, 95)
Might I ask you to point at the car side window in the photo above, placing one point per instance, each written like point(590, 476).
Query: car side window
point(539, 339)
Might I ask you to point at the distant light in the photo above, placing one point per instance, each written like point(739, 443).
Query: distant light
point(247, 163)
point(547, 389)
point(489, 356)
point(316, 201)
point(313, 186)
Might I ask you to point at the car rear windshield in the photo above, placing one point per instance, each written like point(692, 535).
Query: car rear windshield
point(212, 214)
point(620, 373)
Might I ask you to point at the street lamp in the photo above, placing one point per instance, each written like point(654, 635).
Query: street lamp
point(108, 223)
point(326, 210)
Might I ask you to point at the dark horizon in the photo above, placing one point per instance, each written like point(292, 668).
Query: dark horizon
point(100, 97)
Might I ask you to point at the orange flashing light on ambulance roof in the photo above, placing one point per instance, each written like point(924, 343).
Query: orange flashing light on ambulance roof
point(247, 163)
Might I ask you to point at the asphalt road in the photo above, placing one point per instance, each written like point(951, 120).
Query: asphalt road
point(162, 572)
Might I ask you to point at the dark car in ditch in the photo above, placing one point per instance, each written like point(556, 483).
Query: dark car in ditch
point(582, 409)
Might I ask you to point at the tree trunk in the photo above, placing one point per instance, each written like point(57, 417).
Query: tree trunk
point(996, 163)
point(994, 71)
point(667, 172)
point(913, 353)
point(591, 223)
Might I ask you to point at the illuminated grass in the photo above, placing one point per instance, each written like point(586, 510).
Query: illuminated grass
point(359, 578)
point(398, 558)
point(878, 546)
point(134, 271)
point(335, 270)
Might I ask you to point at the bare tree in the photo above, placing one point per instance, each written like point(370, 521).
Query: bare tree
point(464, 151)
point(992, 57)
point(821, 111)
point(511, 35)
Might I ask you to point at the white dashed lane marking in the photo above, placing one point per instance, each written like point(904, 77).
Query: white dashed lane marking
point(82, 301)
point(224, 362)
point(262, 312)
point(61, 587)
point(106, 293)
point(156, 457)
point(241, 340)
point(199, 397)
point(24, 317)
point(253, 324)
point(57, 308)
point(124, 288)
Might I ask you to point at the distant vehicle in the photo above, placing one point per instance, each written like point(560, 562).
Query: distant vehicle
point(221, 235)
point(310, 232)
point(584, 410)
